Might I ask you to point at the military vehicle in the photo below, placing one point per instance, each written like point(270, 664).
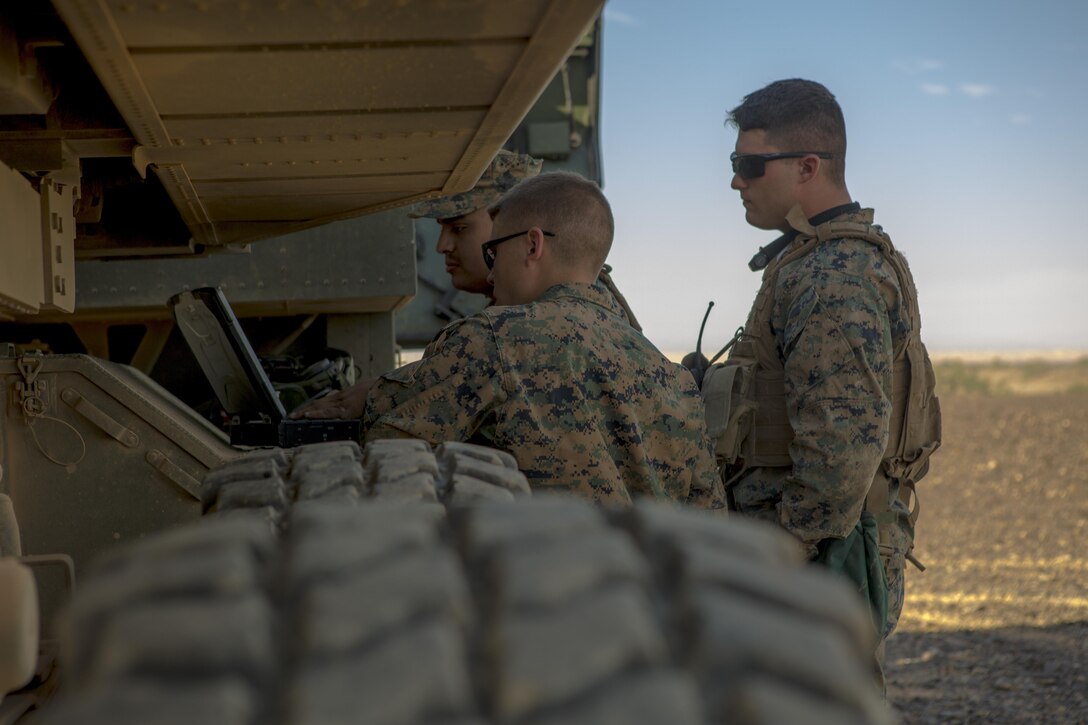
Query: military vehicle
point(268, 148)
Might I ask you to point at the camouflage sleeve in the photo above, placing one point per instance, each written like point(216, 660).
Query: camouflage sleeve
point(706, 490)
point(447, 395)
point(835, 336)
point(396, 384)
point(384, 392)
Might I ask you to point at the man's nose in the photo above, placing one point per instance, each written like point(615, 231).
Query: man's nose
point(444, 243)
point(737, 183)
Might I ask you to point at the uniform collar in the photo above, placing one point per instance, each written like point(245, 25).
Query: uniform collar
point(595, 293)
point(765, 254)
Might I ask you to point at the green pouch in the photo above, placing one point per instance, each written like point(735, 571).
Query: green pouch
point(858, 558)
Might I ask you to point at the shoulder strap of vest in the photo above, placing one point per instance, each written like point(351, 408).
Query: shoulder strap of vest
point(872, 233)
point(810, 236)
point(605, 278)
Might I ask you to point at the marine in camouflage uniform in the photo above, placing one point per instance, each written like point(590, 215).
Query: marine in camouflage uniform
point(837, 315)
point(553, 373)
point(583, 402)
point(461, 247)
point(831, 328)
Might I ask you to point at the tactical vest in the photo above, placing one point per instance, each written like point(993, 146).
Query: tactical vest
point(746, 399)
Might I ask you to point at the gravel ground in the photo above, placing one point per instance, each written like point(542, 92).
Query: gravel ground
point(996, 629)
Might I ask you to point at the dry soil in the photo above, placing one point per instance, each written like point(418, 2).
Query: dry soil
point(996, 629)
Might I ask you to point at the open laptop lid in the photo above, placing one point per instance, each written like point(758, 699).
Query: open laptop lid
point(213, 333)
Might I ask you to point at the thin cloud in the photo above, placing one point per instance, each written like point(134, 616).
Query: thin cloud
point(934, 89)
point(914, 66)
point(976, 90)
point(1020, 119)
point(618, 16)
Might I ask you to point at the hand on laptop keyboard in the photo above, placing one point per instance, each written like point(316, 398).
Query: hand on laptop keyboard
point(346, 403)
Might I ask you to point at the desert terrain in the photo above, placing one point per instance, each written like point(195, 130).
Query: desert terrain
point(996, 629)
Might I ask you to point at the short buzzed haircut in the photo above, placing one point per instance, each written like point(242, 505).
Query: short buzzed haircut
point(798, 115)
point(568, 205)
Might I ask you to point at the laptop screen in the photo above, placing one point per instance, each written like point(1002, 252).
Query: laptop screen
point(213, 333)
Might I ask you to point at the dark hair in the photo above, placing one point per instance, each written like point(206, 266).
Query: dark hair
point(798, 115)
point(570, 206)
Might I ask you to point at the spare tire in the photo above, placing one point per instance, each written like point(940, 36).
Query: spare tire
point(543, 611)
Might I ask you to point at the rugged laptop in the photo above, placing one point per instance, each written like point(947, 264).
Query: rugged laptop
point(258, 418)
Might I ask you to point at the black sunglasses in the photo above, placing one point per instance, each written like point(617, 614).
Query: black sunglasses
point(488, 247)
point(753, 166)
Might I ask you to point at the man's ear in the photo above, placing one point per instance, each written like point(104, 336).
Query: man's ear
point(809, 166)
point(537, 242)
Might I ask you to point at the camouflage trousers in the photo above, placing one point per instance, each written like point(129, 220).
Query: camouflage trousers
point(896, 588)
point(896, 581)
point(895, 543)
point(896, 540)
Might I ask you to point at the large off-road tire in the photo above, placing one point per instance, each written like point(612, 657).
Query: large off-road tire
point(542, 611)
point(271, 480)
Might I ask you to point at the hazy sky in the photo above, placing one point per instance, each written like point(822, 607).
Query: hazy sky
point(968, 133)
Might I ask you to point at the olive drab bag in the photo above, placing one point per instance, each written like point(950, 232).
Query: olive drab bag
point(745, 397)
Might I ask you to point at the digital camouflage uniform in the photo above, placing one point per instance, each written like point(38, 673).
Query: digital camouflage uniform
point(838, 317)
point(583, 401)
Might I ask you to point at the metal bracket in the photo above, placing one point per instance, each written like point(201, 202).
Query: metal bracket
point(175, 473)
point(100, 418)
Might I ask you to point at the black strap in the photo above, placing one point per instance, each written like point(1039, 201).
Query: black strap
point(765, 254)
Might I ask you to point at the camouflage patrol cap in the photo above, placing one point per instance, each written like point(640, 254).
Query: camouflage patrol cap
point(505, 170)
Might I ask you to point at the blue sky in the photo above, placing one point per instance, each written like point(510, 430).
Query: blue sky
point(967, 133)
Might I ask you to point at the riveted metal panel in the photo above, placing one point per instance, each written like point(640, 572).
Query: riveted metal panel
point(293, 204)
point(303, 158)
point(351, 161)
point(176, 23)
point(320, 185)
point(360, 265)
point(375, 127)
point(236, 82)
point(421, 93)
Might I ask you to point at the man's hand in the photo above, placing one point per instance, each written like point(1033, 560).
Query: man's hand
point(347, 403)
